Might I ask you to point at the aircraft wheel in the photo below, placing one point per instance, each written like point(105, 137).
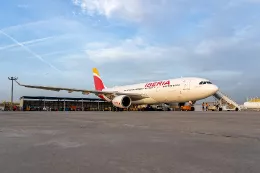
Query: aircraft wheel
point(192, 109)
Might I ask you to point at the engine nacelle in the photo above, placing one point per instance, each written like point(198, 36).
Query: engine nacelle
point(122, 101)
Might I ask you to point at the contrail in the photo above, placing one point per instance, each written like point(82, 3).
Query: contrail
point(28, 50)
point(60, 52)
point(25, 43)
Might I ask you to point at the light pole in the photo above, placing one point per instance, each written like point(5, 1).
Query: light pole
point(12, 90)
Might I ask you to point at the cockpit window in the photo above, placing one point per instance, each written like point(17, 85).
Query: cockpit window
point(205, 82)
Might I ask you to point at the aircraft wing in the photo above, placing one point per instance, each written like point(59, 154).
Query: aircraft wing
point(86, 92)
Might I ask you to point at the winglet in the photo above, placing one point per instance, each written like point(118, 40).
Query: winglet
point(18, 83)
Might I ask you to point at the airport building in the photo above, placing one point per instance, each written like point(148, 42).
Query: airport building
point(42, 103)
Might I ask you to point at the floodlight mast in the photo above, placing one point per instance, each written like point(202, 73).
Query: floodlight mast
point(12, 90)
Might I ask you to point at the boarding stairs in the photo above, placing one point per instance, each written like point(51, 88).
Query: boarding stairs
point(224, 99)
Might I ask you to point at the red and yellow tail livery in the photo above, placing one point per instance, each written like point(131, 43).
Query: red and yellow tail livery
point(99, 85)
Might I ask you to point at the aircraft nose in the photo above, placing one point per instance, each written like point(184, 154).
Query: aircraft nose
point(213, 89)
point(209, 90)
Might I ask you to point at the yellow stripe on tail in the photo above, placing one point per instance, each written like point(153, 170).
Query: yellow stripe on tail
point(99, 85)
point(95, 72)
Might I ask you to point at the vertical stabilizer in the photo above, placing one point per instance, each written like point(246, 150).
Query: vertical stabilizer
point(99, 85)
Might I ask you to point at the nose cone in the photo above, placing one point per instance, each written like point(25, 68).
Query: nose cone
point(209, 90)
point(213, 89)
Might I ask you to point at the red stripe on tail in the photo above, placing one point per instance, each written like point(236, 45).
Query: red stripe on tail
point(98, 83)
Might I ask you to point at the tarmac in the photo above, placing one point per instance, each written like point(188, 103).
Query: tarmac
point(130, 142)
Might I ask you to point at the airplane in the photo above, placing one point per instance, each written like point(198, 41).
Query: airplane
point(178, 90)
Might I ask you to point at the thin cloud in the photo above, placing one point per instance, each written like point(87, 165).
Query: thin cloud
point(29, 24)
point(63, 51)
point(132, 49)
point(132, 10)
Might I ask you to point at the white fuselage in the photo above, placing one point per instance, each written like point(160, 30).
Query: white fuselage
point(170, 91)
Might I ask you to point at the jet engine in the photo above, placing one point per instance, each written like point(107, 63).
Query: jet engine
point(122, 101)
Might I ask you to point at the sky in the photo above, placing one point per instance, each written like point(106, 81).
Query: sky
point(58, 42)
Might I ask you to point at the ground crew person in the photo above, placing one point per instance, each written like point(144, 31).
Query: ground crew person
point(203, 106)
point(207, 106)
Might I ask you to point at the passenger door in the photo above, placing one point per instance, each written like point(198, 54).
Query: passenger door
point(186, 85)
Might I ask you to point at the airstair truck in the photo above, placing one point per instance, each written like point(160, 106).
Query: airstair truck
point(226, 103)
